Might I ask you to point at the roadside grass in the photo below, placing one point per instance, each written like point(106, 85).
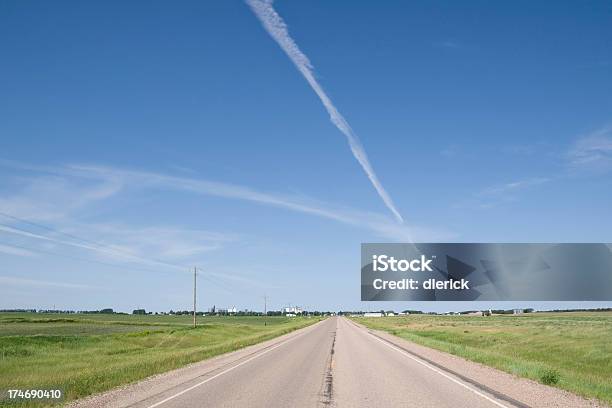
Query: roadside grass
point(87, 354)
point(572, 351)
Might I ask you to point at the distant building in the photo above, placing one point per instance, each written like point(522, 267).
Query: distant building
point(477, 313)
point(372, 314)
point(292, 310)
point(517, 311)
point(229, 311)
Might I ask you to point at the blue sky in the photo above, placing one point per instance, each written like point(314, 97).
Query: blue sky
point(182, 134)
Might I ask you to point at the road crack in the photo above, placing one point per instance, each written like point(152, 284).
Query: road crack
point(327, 399)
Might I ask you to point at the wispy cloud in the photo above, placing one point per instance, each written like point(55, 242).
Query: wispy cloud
point(11, 250)
point(512, 187)
point(158, 247)
point(52, 197)
point(43, 208)
point(592, 151)
point(276, 27)
point(449, 151)
point(503, 193)
point(130, 180)
point(449, 44)
point(172, 247)
point(67, 231)
point(10, 280)
point(166, 242)
point(378, 223)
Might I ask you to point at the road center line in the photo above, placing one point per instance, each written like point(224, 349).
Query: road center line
point(475, 391)
point(228, 370)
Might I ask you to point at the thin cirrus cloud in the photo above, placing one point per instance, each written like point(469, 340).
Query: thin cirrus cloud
point(593, 150)
point(173, 245)
point(61, 195)
point(11, 250)
point(276, 27)
point(491, 196)
point(450, 44)
point(11, 280)
point(513, 186)
point(381, 225)
point(105, 251)
point(93, 177)
point(130, 244)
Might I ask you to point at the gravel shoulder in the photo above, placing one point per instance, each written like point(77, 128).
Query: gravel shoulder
point(525, 391)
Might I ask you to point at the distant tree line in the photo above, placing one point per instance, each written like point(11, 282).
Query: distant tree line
point(275, 312)
point(600, 309)
point(500, 311)
point(383, 312)
point(101, 311)
point(222, 312)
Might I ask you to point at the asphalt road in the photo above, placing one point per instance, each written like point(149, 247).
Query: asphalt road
point(334, 363)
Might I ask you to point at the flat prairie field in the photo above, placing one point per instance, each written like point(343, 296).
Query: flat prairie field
point(83, 354)
point(570, 350)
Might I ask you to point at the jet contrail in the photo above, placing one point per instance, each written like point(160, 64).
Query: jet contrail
point(276, 27)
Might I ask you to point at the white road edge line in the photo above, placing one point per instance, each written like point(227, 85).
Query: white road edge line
point(475, 391)
point(226, 371)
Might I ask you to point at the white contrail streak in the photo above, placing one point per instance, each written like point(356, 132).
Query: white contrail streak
point(276, 27)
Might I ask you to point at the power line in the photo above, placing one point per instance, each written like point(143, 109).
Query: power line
point(23, 220)
point(111, 250)
point(219, 284)
point(78, 258)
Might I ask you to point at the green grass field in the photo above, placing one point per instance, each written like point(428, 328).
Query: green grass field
point(86, 354)
point(572, 351)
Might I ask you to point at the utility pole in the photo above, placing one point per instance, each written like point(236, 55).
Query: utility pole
point(265, 310)
point(195, 272)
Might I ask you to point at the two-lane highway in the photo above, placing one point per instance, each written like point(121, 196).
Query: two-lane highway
point(334, 363)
